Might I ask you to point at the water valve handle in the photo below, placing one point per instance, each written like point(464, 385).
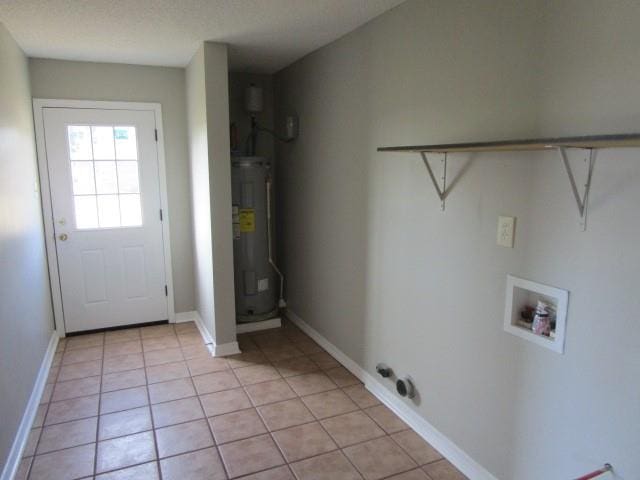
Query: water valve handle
point(383, 370)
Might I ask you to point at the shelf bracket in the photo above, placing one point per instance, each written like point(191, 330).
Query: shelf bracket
point(441, 192)
point(582, 201)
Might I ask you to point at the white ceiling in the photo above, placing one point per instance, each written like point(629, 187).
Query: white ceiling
point(263, 35)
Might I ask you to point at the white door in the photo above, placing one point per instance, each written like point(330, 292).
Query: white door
point(105, 194)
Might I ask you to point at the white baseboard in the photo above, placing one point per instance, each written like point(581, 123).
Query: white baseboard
point(225, 349)
point(346, 362)
point(222, 350)
point(184, 317)
point(20, 440)
point(257, 326)
point(422, 427)
point(194, 317)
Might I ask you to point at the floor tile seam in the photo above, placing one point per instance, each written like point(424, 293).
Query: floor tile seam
point(74, 478)
point(169, 380)
point(110, 355)
point(403, 471)
point(160, 335)
point(153, 426)
point(264, 424)
point(319, 420)
point(407, 451)
point(337, 447)
point(406, 427)
point(207, 393)
point(336, 443)
point(378, 438)
point(204, 412)
point(156, 461)
point(117, 371)
point(70, 447)
point(184, 422)
point(68, 349)
point(124, 340)
point(100, 392)
point(158, 364)
point(76, 362)
point(69, 421)
point(164, 347)
point(95, 452)
point(218, 445)
point(190, 395)
point(46, 413)
point(297, 396)
point(266, 470)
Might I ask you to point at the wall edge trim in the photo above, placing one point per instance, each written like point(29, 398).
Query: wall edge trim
point(184, 317)
point(222, 350)
point(194, 316)
point(458, 457)
point(20, 440)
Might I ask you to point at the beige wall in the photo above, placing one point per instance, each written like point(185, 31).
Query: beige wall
point(208, 113)
point(108, 81)
point(374, 265)
point(26, 317)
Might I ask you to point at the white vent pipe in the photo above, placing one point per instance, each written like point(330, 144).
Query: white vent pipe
point(281, 302)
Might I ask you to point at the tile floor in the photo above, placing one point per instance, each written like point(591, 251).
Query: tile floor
point(151, 403)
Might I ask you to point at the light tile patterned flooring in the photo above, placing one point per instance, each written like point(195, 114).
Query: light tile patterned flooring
point(151, 403)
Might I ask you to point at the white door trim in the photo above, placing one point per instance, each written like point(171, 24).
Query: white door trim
point(47, 210)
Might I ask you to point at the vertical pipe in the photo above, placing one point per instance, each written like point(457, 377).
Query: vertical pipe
point(281, 302)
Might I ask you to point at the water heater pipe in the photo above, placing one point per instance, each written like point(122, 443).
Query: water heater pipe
point(281, 302)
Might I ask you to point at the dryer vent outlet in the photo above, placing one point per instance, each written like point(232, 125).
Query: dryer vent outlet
point(405, 387)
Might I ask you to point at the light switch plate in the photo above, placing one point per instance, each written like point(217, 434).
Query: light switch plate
point(506, 228)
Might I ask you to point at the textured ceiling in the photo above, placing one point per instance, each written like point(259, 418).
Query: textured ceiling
point(263, 35)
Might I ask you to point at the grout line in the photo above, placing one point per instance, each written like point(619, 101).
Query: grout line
point(298, 397)
point(213, 437)
point(315, 420)
point(153, 426)
point(95, 450)
point(335, 387)
point(260, 416)
point(269, 362)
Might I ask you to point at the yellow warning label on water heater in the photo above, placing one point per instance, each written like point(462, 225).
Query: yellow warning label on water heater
point(247, 220)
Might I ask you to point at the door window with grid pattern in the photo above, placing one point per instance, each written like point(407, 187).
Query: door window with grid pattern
point(105, 175)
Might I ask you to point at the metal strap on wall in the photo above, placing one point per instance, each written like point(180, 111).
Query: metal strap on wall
point(581, 200)
point(441, 192)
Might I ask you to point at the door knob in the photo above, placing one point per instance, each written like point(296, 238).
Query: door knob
point(63, 237)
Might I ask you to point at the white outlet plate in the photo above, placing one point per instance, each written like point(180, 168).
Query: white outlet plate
point(506, 228)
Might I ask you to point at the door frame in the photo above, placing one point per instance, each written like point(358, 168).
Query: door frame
point(39, 104)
